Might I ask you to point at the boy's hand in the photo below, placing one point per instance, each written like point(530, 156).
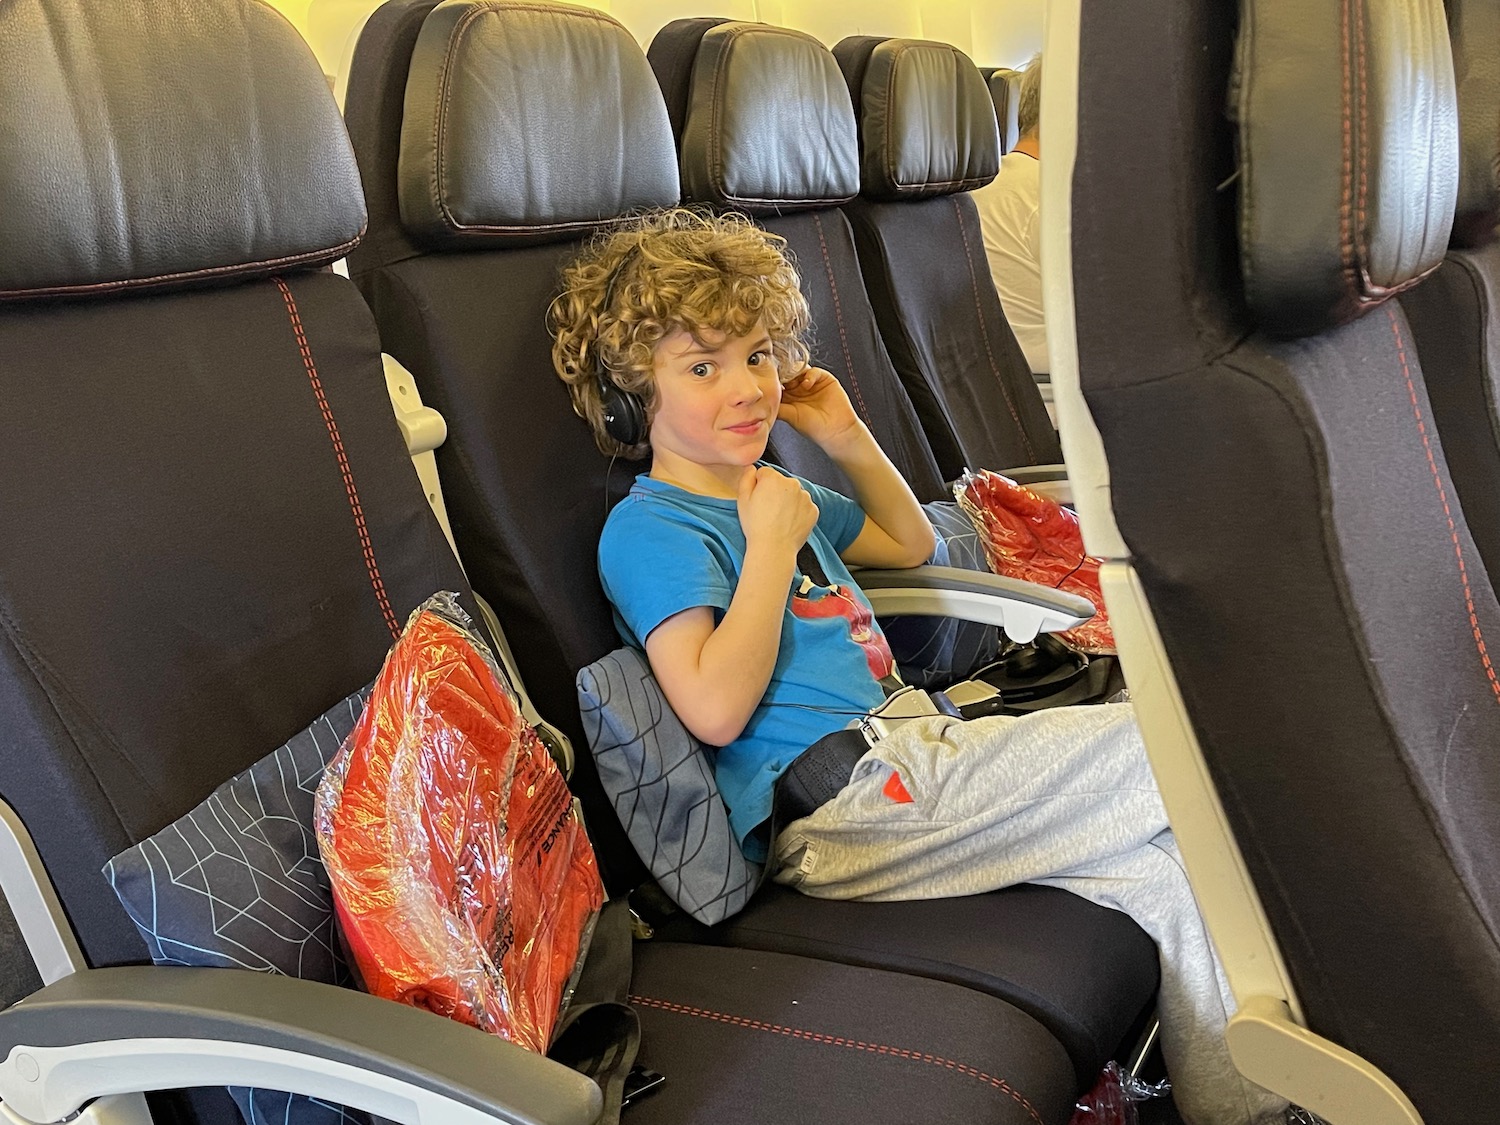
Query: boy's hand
point(776, 512)
point(815, 405)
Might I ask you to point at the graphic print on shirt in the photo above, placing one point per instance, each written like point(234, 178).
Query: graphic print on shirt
point(815, 598)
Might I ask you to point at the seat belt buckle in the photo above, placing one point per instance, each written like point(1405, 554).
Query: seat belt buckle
point(901, 707)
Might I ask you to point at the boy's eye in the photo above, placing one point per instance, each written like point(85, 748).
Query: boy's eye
point(757, 358)
point(702, 369)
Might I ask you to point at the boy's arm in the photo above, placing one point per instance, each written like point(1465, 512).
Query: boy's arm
point(896, 532)
point(715, 676)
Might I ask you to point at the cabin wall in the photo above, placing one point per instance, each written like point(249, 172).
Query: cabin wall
point(993, 32)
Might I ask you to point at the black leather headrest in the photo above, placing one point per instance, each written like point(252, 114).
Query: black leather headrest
point(767, 125)
point(1348, 155)
point(164, 144)
point(527, 122)
point(1474, 27)
point(927, 125)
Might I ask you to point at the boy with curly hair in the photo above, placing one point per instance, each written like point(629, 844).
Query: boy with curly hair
point(732, 575)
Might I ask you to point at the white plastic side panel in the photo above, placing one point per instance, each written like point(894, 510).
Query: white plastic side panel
point(29, 893)
point(1083, 451)
point(1226, 896)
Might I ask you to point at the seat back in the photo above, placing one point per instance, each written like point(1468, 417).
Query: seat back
point(1005, 93)
point(927, 138)
point(764, 126)
point(213, 529)
point(1297, 598)
point(551, 126)
point(1455, 314)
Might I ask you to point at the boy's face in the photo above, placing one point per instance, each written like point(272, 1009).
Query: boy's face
point(716, 399)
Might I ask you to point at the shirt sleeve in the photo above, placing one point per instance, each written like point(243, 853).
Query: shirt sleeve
point(839, 518)
point(652, 567)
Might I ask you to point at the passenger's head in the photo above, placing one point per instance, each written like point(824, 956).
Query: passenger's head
point(659, 275)
point(1029, 105)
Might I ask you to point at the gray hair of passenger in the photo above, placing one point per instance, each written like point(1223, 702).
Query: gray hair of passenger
point(1029, 109)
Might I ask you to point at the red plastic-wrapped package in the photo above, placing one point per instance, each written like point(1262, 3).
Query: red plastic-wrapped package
point(1035, 539)
point(1114, 1097)
point(462, 876)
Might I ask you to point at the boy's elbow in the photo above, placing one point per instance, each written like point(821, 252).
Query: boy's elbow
point(714, 729)
point(922, 549)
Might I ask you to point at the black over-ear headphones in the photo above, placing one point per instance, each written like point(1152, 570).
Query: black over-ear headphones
point(624, 412)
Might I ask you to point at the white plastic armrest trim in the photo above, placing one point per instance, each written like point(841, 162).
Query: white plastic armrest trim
point(102, 1032)
point(1051, 481)
point(1022, 609)
point(1026, 474)
point(423, 429)
point(67, 1077)
point(1059, 491)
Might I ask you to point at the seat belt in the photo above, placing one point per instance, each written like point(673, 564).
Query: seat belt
point(600, 1034)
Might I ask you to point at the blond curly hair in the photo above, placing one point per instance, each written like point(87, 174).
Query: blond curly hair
point(663, 272)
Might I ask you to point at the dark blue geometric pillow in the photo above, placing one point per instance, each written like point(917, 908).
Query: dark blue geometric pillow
point(238, 883)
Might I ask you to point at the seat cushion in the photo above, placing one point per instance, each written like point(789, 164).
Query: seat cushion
point(748, 1036)
point(1084, 972)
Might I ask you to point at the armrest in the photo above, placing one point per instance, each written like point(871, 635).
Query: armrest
point(1022, 609)
point(1029, 474)
point(1050, 481)
point(109, 1031)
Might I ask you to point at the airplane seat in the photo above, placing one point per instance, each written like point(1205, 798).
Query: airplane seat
point(764, 126)
point(213, 529)
point(527, 490)
point(214, 532)
point(1455, 314)
point(1005, 94)
point(928, 138)
point(1300, 608)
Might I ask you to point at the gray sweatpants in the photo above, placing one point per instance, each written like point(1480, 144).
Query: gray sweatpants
point(1063, 797)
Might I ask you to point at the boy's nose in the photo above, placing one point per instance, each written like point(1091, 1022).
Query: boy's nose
point(747, 386)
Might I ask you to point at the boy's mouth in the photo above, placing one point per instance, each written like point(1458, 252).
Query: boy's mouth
point(747, 428)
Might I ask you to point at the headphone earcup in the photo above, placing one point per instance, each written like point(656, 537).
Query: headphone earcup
point(624, 414)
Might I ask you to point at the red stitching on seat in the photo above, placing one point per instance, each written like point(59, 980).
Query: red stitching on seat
point(1364, 125)
point(840, 1041)
point(838, 317)
point(984, 330)
point(1458, 551)
point(366, 546)
point(1346, 199)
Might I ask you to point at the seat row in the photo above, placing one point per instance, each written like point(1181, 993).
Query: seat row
point(222, 529)
point(217, 531)
point(1283, 336)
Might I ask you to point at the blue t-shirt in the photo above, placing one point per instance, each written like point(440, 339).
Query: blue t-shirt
point(665, 550)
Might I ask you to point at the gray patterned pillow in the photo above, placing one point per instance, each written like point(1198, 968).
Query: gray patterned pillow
point(237, 882)
point(661, 781)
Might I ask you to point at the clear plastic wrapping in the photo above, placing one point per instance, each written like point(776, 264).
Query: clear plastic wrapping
point(1034, 539)
point(462, 876)
point(1113, 1099)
